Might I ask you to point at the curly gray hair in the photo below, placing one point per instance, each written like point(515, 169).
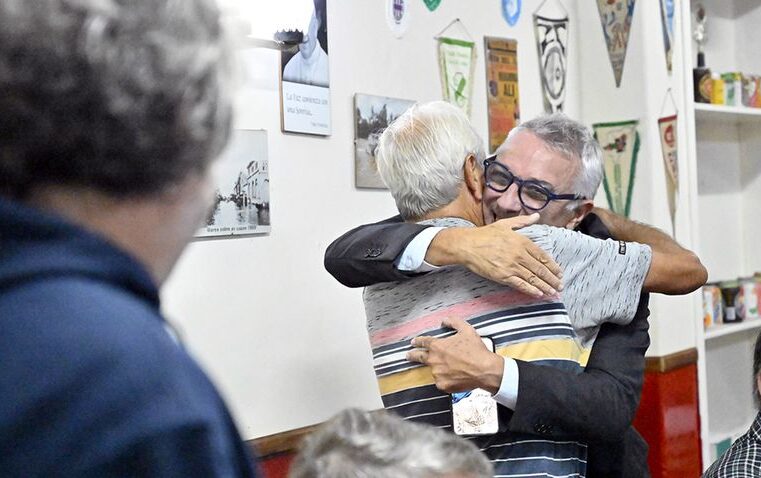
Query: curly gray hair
point(360, 444)
point(125, 97)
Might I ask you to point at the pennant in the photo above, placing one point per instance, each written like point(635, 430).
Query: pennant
point(551, 41)
point(667, 23)
point(501, 88)
point(616, 20)
point(398, 16)
point(457, 60)
point(432, 4)
point(620, 145)
point(511, 11)
point(667, 128)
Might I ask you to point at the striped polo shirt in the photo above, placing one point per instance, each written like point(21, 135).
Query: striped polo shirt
point(522, 327)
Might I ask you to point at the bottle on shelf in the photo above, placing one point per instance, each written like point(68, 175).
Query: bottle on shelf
point(702, 83)
point(731, 296)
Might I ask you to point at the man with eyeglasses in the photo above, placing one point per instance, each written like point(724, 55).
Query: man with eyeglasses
point(539, 161)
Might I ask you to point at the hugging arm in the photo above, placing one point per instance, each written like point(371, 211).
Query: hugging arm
point(598, 404)
point(367, 254)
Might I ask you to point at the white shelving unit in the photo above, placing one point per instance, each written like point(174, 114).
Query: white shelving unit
point(723, 159)
point(721, 330)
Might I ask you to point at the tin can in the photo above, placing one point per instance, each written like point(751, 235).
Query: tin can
point(730, 292)
point(757, 100)
point(717, 89)
point(747, 299)
point(712, 305)
point(749, 90)
point(730, 92)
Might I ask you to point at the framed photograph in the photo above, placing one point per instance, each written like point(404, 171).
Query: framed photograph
point(372, 114)
point(242, 198)
point(304, 74)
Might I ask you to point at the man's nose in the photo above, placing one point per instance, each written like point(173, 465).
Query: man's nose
point(509, 201)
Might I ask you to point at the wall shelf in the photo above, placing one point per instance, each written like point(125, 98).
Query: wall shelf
point(735, 114)
point(720, 330)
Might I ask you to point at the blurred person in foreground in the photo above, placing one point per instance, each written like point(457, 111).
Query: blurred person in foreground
point(112, 114)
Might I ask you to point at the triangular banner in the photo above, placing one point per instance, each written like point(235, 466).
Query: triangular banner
point(667, 23)
point(551, 42)
point(511, 11)
point(398, 16)
point(667, 128)
point(457, 60)
point(616, 20)
point(620, 145)
point(432, 4)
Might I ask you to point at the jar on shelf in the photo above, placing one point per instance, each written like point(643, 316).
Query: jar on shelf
point(749, 90)
point(717, 89)
point(731, 92)
point(712, 305)
point(747, 303)
point(730, 294)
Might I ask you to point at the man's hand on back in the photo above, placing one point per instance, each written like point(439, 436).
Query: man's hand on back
point(500, 254)
point(460, 362)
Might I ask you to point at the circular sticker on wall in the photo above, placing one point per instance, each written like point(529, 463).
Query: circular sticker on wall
point(398, 16)
point(511, 10)
point(432, 4)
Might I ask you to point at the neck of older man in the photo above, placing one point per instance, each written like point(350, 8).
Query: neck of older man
point(153, 229)
point(465, 206)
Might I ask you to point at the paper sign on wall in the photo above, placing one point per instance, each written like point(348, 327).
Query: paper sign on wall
point(304, 74)
point(501, 88)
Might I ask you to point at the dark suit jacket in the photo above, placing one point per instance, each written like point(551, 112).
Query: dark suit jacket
point(596, 406)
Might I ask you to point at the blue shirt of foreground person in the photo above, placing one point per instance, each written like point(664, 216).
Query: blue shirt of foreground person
point(112, 115)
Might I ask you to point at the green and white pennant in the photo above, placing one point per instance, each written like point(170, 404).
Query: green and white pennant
point(620, 145)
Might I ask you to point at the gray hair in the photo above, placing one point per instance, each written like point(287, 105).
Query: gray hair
point(360, 444)
point(420, 157)
point(574, 141)
point(126, 98)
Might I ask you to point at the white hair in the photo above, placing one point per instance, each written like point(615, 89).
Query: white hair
point(574, 141)
point(420, 157)
point(360, 444)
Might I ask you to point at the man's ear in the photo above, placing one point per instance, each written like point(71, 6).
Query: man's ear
point(473, 176)
point(580, 213)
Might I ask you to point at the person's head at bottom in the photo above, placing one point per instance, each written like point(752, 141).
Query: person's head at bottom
point(357, 443)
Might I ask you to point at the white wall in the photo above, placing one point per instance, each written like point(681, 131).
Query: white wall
point(644, 84)
point(283, 340)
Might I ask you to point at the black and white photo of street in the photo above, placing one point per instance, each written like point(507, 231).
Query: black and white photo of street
point(242, 199)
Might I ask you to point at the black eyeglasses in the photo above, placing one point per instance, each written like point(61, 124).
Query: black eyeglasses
point(532, 194)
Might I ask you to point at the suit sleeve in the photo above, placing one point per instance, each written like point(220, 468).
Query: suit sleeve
point(598, 404)
point(367, 254)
